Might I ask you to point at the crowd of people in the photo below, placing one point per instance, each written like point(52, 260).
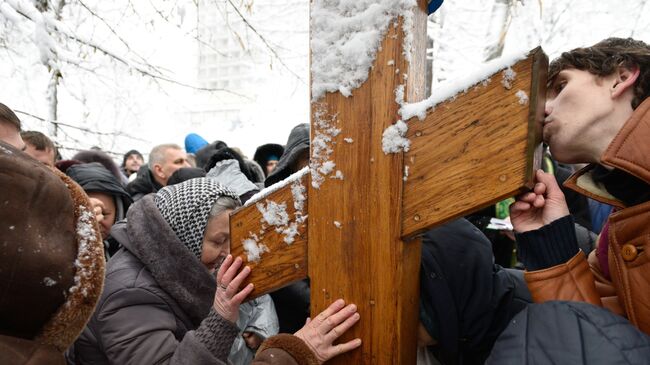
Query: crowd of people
point(130, 264)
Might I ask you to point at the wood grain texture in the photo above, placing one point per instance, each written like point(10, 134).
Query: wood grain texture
point(475, 150)
point(365, 261)
point(284, 263)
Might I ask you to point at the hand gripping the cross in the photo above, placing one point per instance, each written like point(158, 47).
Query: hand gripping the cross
point(543, 205)
point(320, 333)
point(228, 296)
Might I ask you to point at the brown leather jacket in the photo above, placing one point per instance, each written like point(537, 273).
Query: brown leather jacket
point(582, 279)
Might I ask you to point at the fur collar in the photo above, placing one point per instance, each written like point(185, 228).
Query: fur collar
point(178, 272)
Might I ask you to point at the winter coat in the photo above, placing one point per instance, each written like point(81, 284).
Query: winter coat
point(14, 350)
point(205, 153)
point(157, 305)
point(570, 333)
point(465, 299)
point(228, 174)
point(143, 184)
point(257, 316)
point(51, 263)
point(256, 171)
point(616, 274)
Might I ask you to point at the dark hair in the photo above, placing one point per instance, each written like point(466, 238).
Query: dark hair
point(128, 154)
point(184, 174)
point(7, 115)
point(37, 139)
point(101, 157)
point(603, 59)
point(227, 153)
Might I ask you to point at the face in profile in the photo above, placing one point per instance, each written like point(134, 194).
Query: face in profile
point(578, 107)
point(216, 241)
point(174, 160)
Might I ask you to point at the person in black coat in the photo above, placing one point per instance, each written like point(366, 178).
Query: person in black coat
point(268, 156)
point(465, 299)
point(559, 332)
point(106, 194)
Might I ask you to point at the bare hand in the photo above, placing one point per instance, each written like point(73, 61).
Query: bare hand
point(320, 333)
point(228, 296)
point(539, 207)
point(253, 340)
point(98, 208)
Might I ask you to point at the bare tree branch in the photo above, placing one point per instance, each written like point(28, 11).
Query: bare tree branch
point(249, 25)
point(113, 134)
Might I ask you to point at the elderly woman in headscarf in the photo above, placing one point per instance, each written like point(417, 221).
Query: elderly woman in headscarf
point(162, 304)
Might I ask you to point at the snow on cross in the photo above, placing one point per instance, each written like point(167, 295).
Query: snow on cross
point(361, 238)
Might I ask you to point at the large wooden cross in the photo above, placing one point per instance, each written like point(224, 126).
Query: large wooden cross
point(356, 236)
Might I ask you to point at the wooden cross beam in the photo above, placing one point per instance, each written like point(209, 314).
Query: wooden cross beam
point(356, 235)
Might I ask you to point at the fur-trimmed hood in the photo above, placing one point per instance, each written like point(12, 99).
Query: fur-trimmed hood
point(52, 243)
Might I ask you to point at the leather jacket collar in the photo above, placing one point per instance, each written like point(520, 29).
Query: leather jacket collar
point(628, 152)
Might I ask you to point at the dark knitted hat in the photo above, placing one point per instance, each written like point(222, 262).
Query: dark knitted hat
point(128, 154)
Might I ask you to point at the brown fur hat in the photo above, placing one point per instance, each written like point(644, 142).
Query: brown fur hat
point(52, 256)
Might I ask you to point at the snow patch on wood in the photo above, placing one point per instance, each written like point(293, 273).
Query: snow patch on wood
point(337, 175)
point(254, 249)
point(393, 140)
point(522, 96)
point(338, 224)
point(324, 133)
point(273, 213)
point(277, 186)
point(345, 38)
point(508, 77)
point(451, 88)
point(348, 140)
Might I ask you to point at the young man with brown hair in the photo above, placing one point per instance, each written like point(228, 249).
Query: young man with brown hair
point(589, 310)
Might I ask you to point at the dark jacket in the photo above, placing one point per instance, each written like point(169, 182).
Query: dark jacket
point(297, 143)
point(570, 333)
point(206, 152)
point(466, 300)
point(14, 350)
point(265, 152)
point(143, 184)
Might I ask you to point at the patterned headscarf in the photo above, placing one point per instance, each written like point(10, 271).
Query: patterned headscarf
point(186, 207)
